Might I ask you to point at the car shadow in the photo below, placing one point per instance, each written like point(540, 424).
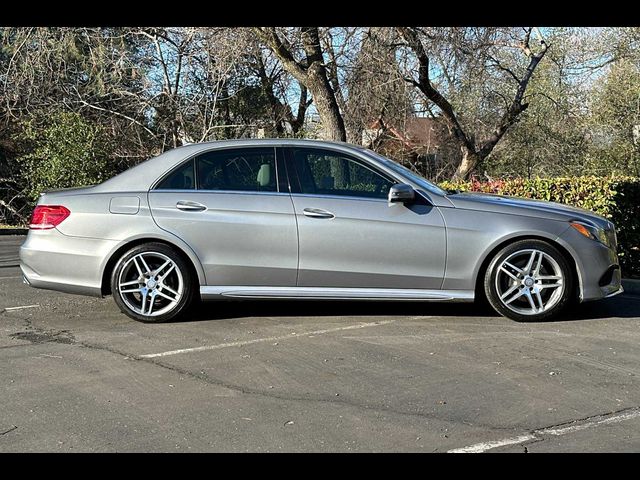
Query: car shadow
point(218, 310)
point(621, 306)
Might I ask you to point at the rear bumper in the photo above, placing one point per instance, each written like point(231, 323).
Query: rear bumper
point(53, 261)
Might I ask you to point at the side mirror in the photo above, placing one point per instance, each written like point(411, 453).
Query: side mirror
point(401, 193)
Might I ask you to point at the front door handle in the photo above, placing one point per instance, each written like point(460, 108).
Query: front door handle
point(187, 206)
point(317, 213)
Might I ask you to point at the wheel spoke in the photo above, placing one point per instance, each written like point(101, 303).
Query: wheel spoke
point(536, 271)
point(144, 301)
point(527, 293)
point(518, 294)
point(539, 298)
point(515, 277)
point(132, 282)
point(158, 270)
point(530, 262)
point(549, 277)
point(509, 292)
point(141, 257)
point(167, 296)
point(171, 290)
point(151, 302)
point(135, 262)
point(549, 285)
point(513, 267)
point(131, 290)
point(167, 273)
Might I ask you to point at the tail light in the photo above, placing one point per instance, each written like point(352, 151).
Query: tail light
point(45, 217)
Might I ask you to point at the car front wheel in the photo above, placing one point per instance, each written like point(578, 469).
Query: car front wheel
point(152, 283)
point(529, 280)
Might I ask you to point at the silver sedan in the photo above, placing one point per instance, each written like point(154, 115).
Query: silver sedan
point(301, 219)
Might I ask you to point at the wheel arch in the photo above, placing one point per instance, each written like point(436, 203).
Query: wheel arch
point(180, 247)
point(493, 250)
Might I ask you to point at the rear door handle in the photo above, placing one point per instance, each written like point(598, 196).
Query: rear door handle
point(317, 213)
point(187, 206)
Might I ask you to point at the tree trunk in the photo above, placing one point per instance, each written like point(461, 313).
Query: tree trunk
point(311, 73)
point(326, 104)
point(472, 153)
point(469, 161)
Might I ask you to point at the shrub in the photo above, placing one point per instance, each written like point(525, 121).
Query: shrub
point(65, 151)
point(613, 197)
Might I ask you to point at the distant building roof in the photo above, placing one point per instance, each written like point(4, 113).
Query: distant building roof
point(420, 135)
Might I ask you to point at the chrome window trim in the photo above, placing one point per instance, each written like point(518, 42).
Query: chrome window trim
point(220, 192)
point(339, 197)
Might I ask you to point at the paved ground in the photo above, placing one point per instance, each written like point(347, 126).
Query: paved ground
point(77, 375)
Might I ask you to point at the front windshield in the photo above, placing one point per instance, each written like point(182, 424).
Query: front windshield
point(402, 170)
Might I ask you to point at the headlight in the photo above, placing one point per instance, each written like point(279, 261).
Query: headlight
point(591, 231)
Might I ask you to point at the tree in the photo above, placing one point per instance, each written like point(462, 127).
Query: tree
point(615, 114)
point(66, 151)
point(377, 91)
point(475, 50)
point(274, 86)
point(311, 72)
point(552, 136)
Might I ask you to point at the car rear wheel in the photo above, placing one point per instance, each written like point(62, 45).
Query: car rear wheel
point(529, 280)
point(152, 283)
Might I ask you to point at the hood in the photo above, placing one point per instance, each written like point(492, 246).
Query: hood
point(524, 206)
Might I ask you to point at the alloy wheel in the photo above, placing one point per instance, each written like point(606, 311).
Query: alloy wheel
point(150, 284)
point(529, 282)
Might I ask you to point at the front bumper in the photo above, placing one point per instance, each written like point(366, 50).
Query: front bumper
point(598, 266)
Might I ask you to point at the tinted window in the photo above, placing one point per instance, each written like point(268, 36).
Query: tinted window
point(182, 179)
point(330, 173)
point(251, 169)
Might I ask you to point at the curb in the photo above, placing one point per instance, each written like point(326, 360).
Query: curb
point(631, 286)
point(13, 231)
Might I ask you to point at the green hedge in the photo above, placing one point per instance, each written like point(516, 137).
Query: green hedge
point(616, 198)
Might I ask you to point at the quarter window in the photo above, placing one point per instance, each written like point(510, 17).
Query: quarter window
point(326, 172)
point(181, 179)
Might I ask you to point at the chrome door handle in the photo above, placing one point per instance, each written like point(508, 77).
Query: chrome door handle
point(317, 213)
point(190, 206)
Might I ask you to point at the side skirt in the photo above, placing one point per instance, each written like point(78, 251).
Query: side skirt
point(330, 293)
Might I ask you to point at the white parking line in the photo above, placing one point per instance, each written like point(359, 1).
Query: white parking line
point(621, 417)
point(576, 427)
point(267, 339)
point(22, 307)
point(483, 447)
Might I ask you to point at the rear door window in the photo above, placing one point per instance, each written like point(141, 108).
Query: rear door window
point(247, 169)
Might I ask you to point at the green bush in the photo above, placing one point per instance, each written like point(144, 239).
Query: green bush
point(613, 197)
point(64, 151)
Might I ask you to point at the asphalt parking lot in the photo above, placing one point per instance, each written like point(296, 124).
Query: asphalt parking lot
point(79, 376)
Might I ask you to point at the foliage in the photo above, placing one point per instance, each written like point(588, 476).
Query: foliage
point(613, 197)
point(67, 151)
point(615, 119)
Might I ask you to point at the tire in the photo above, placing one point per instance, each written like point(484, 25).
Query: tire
point(529, 281)
point(152, 283)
